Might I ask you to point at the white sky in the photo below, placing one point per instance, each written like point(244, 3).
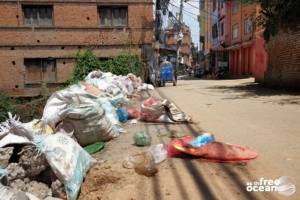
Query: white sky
point(190, 14)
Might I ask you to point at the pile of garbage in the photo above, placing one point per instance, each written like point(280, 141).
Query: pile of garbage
point(44, 159)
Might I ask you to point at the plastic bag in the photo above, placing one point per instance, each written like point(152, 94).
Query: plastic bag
point(141, 138)
point(159, 152)
point(67, 159)
point(143, 163)
point(202, 140)
point(122, 114)
point(89, 123)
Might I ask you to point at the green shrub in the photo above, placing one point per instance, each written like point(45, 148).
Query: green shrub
point(86, 61)
point(6, 105)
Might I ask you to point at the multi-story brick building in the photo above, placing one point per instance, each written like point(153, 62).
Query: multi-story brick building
point(185, 47)
point(39, 38)
point(232, 39)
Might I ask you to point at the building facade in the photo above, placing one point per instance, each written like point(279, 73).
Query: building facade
point(232, 39)
point(39, 38)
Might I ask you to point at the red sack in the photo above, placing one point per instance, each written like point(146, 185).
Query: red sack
point(133, 113)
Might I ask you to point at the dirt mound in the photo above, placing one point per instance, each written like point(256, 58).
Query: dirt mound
point(96, 181)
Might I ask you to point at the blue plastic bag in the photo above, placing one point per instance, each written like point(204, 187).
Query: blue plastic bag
point(202, 140)
point(122, 114)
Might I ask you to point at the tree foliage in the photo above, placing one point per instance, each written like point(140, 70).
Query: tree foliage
point(86, 61)
point(6, 105)
point(277, 14)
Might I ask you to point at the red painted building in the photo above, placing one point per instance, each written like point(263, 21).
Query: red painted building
point(247, 54)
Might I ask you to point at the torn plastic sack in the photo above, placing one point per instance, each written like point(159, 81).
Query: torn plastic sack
point(214, 152)
point(69, 161)
point(122, 114)
point(59, 101)
point(152, 110)
point(174, 113)
point(111, 114)
point(88, 123)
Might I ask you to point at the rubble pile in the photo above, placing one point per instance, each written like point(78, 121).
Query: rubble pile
point(23, 174)
point(44, 158)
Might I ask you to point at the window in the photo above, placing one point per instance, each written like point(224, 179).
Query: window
point(235, 6)
point(38, 15)
point(235, 31)
point(40, 70)
point(214, 5)
point(248, 25)
point(222, 29)
point(214, 31)
point(113, 16)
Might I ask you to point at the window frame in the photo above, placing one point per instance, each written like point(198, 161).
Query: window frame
point(42, 63)
point(235, 6)
point(112, 8)
point(37, 7)
point(237, 25)
point(248, 19)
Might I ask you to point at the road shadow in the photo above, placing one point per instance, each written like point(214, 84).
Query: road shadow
point(257, 90)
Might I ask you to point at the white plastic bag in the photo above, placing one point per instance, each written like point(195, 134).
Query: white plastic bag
point(67, 159)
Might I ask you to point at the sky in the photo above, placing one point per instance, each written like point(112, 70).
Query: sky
point(190, 13)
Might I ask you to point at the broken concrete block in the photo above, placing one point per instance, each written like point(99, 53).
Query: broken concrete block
point(32, 162)
point(15, 171)
point(5, 154)
point(38, 189)
point(57, 188)
point(18, 184)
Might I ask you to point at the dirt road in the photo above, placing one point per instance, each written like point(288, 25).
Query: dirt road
point(235, 111)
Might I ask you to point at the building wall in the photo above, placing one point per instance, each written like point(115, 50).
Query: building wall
point(284, 60)
point(247, 55)
point(76, 26)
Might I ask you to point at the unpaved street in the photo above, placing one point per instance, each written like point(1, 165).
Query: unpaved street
point(235, 111)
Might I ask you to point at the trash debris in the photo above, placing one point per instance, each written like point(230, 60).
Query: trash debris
point(32, 161)
point(214, 151)
point(38, 189)
point(141, 138)
point(133, 121)
point(143, 163)
point(94, 148)
point(7, 193)
point(153, 110)
point(5, 154)
point(133, 113)
point(122, 114)
point(159, 152)
point(67, 159)
point(202, 140)
point(15, 171)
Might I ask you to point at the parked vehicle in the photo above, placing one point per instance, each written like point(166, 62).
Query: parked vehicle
point(167, 74)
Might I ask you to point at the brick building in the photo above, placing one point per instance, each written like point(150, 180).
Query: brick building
point(39, 38)
point(231, 38)
point(185, 47)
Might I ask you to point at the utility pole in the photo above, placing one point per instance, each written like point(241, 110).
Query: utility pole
point(179, 40)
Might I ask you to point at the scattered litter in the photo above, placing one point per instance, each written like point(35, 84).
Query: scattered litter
point(122, 114)
point(133, 113)
point(15, 171)
point(214, 151)
point(141, 138)
point(94, 148)
point(202, 140)
point(143, 163)
point(159, 152)
point(38, 189)
point(133, 121)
